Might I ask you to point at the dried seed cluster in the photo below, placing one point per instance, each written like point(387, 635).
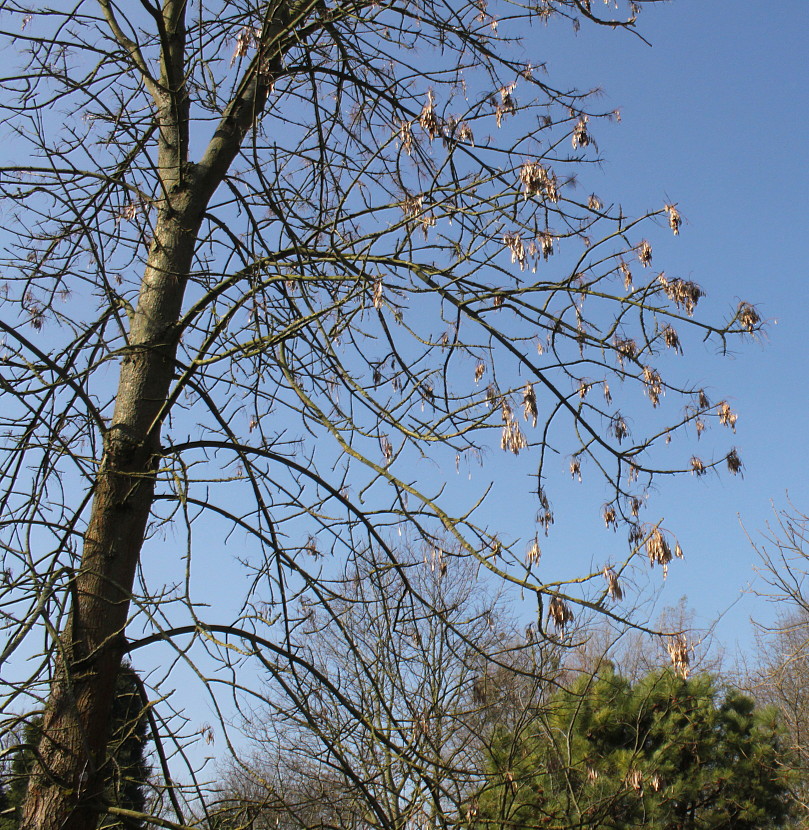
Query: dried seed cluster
point(619, 428)
point(627, 348)
point(507, 104)
point(513, 241)
point(671, 338)
point(683, 293)
point(559, 611)
point(748, 317)
point(645, 253)
point(430, 122)
point(677, 647)
point(536, 179)
point(613, 583)
point(529, 404)
point(727, 417)
point(534, 552)
point(580, 137)
point(734, 462)
point(512, 439)
point(627, 274)
point(659, 551)
point(654, 385)
point(675, 220)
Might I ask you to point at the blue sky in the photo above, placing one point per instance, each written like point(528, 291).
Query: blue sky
point(714, 117)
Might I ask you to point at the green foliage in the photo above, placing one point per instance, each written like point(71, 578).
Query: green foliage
point(128, 770)
point(663, 752)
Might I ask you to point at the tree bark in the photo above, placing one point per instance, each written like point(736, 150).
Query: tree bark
point(66, 790)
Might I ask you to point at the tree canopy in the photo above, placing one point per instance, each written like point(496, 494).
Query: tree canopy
point(271, 270)
point(663, 752)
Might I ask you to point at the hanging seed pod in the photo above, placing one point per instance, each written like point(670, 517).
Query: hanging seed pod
point(559, 611)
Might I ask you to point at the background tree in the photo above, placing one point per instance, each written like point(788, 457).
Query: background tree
point(422, 663)
point(778, 673)
point(661, 752)
point(318, 243)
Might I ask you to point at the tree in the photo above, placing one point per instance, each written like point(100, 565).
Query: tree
point(663, 752)
point(287, 227)
point(126, 770)
point(779, 672)
point(409, 670)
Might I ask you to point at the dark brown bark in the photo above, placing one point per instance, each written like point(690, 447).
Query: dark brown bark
point(66, 789)
point(65, 792)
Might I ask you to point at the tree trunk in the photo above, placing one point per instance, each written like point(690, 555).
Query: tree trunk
point(65, 791)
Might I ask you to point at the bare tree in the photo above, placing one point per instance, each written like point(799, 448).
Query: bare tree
point(429, 661)
point(778, 673)
point(261, 260)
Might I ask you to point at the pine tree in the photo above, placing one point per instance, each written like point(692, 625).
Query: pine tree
point(664, 752)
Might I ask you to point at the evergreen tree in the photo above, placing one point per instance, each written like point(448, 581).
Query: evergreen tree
point(127, 769)
point(664, 752)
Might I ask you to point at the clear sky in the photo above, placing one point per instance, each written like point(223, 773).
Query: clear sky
point(715, 117)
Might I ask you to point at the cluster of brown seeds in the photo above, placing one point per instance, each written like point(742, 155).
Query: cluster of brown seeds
point(529, 404)
point(436, 561)
point(671, 338)
point(677, 647)
point(536, 179)
point(406, 136)
point(645, 253)
point(387, 449)
point(580, 137)
point(465, 133)
point(512, 439)
point(613, 583)
point(513, 241)
point(748, 317)
point(627, 274)
point(619, 427)
point(534, 552)
point(626, 348)
point(659, 551)
point(734, 462)
point(507, 104)
point(654, 385)
point(430, 122)
point(727, 417)
point(683, 293)
point(543, 245)
point(246, 40)
point(411, 205)
point(559, 611)
point(675, 220)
